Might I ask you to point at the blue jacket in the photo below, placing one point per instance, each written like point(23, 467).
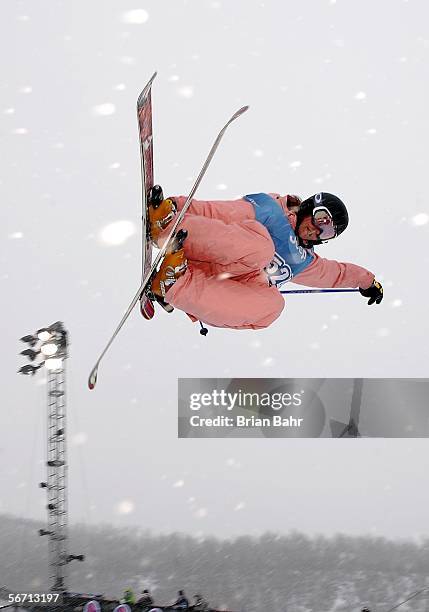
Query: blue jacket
point(290, 258)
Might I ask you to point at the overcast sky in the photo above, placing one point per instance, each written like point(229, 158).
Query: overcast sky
point(338, 97)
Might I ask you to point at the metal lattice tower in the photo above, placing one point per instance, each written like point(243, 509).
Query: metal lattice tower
point(51, 345)
point(57, 479)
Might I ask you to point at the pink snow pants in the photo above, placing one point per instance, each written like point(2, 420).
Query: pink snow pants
point(227, 250)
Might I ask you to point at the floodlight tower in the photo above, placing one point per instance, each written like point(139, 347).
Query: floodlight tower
point(50, 345)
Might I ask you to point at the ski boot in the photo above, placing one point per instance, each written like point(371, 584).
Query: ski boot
point(161, 212)
point(173, 266)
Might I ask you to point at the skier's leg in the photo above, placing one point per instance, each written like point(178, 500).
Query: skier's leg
point(228, 211)
point(246, 304)
point(242, 247)
point(162, 211)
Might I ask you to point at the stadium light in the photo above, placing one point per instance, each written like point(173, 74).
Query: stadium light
point(49, 344)
point(29, 369)
point(49, 349)
point(30, 353)
point(53, 364)
point(29, 339)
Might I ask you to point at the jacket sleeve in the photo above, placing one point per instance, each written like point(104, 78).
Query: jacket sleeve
point(330, 273)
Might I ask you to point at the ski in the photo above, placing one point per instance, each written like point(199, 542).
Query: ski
point(92, 380)
point(144, 119)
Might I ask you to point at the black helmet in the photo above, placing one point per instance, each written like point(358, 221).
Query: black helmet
point(333, 204)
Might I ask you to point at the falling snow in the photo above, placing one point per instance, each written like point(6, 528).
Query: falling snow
point(137, 16)
point(92, 179)
point(186, 92)
point(268, 361)
point(383, 332)
point(128, 60)
point(420, 219)
point(117, 233)
point(126, 506)
point(79, 439)
point(103, 110)
point(239, 506)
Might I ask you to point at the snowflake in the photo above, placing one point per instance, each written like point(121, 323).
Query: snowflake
point(420, 219)
point(361, 95)
point(135, 17)
point(104, 110)
point(79, 439)
point(126, 506)
point(117, 233)
point(186, 92)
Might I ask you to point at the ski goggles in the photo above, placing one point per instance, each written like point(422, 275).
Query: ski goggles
point(323, 220)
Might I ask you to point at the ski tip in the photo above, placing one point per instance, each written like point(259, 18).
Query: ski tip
point(242, 110)
point(144, 93)
point(92, 380)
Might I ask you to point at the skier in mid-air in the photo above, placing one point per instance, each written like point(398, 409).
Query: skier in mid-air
point(228, 264)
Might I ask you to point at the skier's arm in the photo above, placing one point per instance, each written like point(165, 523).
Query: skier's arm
point(330, 273)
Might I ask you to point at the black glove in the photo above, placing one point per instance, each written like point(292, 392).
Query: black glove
point(374, 293)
